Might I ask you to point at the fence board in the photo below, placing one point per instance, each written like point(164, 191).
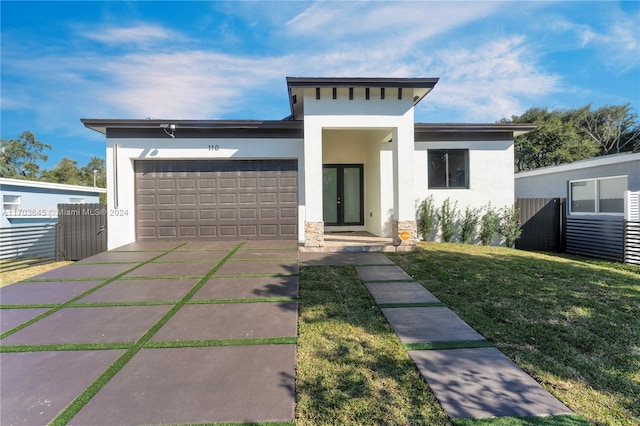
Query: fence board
point(23, 246)
point(541, 224)
point(601, 237)
point(82, 230)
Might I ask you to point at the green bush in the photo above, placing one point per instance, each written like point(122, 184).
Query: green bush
point(447, 218)
point(426, 218)
point(469, 225)
point(510, 225)
point(489, 225)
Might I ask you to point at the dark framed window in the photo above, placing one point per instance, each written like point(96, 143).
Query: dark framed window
point(448, 168)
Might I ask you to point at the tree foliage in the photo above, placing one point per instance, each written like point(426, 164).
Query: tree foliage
point(19, 157)
point(575, 134)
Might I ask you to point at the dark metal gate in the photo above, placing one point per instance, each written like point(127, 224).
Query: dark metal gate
point(542, 224)
point(81, 231)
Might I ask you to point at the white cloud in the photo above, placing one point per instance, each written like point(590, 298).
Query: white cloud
point(139, 35)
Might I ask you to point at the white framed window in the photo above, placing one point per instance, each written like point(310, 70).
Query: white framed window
point(448, 168)
point(76, 200)
point(11, 202)
point(597, 196)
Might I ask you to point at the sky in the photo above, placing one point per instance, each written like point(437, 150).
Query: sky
point(63, 61)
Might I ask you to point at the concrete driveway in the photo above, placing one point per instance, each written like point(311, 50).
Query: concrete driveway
point(154, 333)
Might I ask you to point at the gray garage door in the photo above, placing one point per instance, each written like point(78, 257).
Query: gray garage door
point(218, 199)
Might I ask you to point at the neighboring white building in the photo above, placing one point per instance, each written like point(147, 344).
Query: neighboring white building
point(349, 157)
point(593, 187)
point(28, 202)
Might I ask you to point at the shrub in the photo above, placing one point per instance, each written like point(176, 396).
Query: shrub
point(447, 217)
point(489, 225)
point(426, 218)
point(510, 225)
point(469, 225)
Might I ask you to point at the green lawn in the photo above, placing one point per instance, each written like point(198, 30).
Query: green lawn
point(573, 324)
point(352, 369)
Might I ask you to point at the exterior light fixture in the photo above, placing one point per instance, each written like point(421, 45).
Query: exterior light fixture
point(169, 129)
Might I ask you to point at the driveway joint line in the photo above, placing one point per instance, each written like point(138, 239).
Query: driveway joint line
point(81, 295)
point(88, 393)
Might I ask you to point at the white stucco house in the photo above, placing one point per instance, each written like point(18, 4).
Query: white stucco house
point(349, 157)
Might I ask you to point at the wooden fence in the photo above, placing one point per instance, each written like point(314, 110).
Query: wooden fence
point(81, 231)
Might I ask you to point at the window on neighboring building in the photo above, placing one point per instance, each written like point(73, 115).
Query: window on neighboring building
point(597, 196)
point(448, 168)
point(74, 200)
point(11, 202)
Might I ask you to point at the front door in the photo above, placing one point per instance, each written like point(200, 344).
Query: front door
point(343, 194)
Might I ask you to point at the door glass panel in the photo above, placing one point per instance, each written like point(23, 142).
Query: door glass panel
point(330, 194)
point(352, 195)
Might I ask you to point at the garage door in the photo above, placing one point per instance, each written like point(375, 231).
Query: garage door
point(224, 199)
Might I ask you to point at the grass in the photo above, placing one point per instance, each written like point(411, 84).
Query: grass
point(573, 324)
point(352, 369)
point(11, 277)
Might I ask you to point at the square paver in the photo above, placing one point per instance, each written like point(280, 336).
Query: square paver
point(173, 269)
point(11, 318)
point(342, 259)
point(211, 256)
point(36, 386)
point(149, 246)
point(400, 292)
point(382, 273)
point(79, 270)
point(210, 245)
point(248, 288)
point(121, 256)
point(257, 254)
point(89, 325)
point(271, 244)
point(267, 267)
point(482, 383)
point(429, 325)
point(25, 293)
point(231, 321)
point(198, 386)
point(159, 290)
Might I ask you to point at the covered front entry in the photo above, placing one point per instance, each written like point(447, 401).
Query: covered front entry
point(216, 199)
point(343, 194)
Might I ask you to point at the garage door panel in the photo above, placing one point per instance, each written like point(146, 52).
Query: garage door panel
point(216, 199)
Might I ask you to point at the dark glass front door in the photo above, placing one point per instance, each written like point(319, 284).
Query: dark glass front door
point(343, 194)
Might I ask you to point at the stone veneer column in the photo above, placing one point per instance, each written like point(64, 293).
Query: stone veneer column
point(314, 234)
point(405, 225)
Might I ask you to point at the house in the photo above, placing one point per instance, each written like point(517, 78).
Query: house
point(27, 202)
point(29, 217)
point(348, 158)
point(601, 202)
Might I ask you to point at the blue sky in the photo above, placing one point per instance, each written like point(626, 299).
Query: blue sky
point(62, 61)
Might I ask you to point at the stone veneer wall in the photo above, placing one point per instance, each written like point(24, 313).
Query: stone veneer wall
point(314, 234)
point(405, 225)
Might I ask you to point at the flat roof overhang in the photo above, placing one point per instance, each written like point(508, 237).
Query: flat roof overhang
point(425, 132)
point(420, 87)
point(196, 128)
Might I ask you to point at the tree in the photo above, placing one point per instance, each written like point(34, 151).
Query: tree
point(87, 173)
point(556, 139)
point(66, 171)
point(613, 129)
point(19, 157)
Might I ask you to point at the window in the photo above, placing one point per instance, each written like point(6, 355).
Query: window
point(11, 202)
point(73, 200)
point(598, 196)
point(448, 168)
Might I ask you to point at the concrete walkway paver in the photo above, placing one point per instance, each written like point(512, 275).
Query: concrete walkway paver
point(468, 382)
point(483, 382)
point(400, 292)
point(180, 366)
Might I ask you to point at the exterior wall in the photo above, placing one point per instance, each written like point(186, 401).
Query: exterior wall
point(39, 204)
point(490, 174)
point(393, 116)
point(551, 182)
point(122, 228)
